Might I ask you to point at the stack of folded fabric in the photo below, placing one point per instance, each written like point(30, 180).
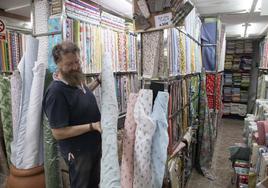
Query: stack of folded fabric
point(243, 96)
point(237, 79)
point(248, 47)
point(228, 79)
point(227, 108)
point(230, 47)
point(239, 47)
point(245, 81)
point(246, 63)
point(236, 63)
point(227, 94)
point(236, 94)
point(229, 61)
point(235, 108)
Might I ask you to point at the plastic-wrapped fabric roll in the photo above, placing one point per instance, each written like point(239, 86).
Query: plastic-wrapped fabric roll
point(110, 172)
point(33, 153)
point(160, 138)
point(6, 116)
point(25, 67)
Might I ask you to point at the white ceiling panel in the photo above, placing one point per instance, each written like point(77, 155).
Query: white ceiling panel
point(235, 14)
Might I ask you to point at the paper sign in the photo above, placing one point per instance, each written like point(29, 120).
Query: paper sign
point(2, 30)
point(163, 20)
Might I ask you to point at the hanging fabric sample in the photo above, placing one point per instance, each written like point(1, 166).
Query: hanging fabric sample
point(33, 154)
point(110, 173)
point(160, 138)
point(6, 116)
point(3, 159)
point(25, 67)
point(209, 36)
point(143, 140)
point(205, 135)
point(127, 167)
point(151, 45)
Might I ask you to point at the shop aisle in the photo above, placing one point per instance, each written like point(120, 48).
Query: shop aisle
point(229, 132)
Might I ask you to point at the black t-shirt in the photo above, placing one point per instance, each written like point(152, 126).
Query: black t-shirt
point(66, 106)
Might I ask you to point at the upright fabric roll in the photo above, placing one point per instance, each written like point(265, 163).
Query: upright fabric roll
point(25, 67)
point(33, 153)
point(110, 172)
point(143, 142)
point(51, 158)
point(6, 116)
point(127, 167)
point(160, 138)
point(16, 85)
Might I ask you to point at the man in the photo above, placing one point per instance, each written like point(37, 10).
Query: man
point(74, 117)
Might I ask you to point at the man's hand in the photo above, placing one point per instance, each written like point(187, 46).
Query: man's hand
point(97, 126)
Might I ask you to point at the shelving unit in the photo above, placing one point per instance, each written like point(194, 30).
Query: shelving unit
point(238, 64)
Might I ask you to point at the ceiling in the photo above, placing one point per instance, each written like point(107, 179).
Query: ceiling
point(243, 18)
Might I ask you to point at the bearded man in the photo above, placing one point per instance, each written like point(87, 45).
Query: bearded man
point(74, 117)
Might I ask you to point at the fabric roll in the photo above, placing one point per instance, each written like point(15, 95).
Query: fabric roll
point(33, 153)
point(25, 67)
point(16, 86)
point(127, 167)
point(261, 133)
point(110, 173)
point(51, 158)
point(6, 116)
point(143, 142)
point(160, 138)
point(3, 159)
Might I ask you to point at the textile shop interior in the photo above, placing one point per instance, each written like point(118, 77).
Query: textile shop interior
point(183, 95)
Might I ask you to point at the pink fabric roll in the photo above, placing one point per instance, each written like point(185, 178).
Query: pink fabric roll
point(261, 133)
point(127, 167)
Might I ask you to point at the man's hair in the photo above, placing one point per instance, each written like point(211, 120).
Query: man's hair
point(64, 48)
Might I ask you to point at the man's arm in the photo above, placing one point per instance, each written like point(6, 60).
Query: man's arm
point(72, 131)
point(95, 83)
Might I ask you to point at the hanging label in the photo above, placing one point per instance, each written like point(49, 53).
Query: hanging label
point(2, 30)
point(163, 20)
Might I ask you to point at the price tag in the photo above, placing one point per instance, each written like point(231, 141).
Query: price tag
point(2, 30)
point(163, 20)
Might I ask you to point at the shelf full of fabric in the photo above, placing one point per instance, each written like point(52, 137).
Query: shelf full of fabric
point(11, 51)
point(95, 32)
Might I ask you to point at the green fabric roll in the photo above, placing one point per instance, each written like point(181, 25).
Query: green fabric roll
point(51, 161)
point(3, 160)
point(6, 116)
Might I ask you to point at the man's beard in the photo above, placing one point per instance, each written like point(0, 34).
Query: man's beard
point(73, 78)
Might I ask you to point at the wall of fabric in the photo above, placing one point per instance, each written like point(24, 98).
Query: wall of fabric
point(95, 32)
point(264, 54)
point(11, 51)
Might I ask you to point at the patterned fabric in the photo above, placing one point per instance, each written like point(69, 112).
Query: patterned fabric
point(205, 137)
point(160, 138)
point(16, 86)
point(51, 158)
point(33, 153)
point(6, 116)
point(176, 172)
point(143, 142)
point(182, 41)
point(211, 90)
point(151, 44)
point(110, 173)
point(25, 67)
point(3, 160)
point(127, 167)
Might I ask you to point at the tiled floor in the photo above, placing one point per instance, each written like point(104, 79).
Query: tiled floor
point(229, 132)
